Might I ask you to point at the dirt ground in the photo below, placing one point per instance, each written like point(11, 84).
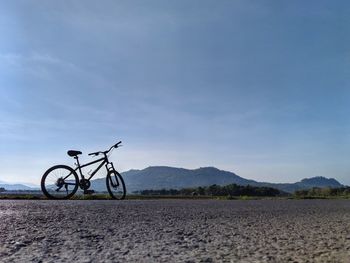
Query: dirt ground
point(175, 231)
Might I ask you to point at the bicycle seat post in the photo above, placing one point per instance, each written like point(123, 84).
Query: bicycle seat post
point(78, 165)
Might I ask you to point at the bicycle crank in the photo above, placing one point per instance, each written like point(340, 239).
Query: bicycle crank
point(84, 184)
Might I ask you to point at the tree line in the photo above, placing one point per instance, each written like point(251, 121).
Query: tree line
point(323, 192)
point(217, 190)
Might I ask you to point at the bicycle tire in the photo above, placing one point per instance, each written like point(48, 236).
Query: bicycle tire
point(113, 181)
point(48, 189)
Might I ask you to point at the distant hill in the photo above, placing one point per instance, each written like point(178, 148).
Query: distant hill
point(159, 177)
point(320, 181)
point(306, 183)
point(163, 177)
point(12, 187)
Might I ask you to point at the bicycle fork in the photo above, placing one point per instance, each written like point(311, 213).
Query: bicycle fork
point(111, 169)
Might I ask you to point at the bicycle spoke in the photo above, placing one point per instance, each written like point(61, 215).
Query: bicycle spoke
point(56, 183)
point(115, 185)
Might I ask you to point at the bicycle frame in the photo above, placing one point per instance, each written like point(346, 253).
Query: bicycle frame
point(104, 161)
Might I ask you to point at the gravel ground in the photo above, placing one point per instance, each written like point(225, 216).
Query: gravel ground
point(175, 231)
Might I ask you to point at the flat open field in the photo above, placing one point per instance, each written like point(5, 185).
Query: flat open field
point(175, 231)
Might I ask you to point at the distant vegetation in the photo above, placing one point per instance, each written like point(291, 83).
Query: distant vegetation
point(231, 191)
point(327, 192)
point(217, 190)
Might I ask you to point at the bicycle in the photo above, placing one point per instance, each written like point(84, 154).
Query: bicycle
point(62, 181)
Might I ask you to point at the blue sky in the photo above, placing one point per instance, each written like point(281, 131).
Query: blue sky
point(260, 88)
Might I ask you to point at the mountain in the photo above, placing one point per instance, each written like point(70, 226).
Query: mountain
point(306, 183)
point(320, 181)
point(11, 187)
point(159, 177)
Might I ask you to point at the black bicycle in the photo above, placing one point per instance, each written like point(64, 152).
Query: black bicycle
point(62, 181)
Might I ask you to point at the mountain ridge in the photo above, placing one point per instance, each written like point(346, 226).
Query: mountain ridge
point(166, 177)
point(11, 187)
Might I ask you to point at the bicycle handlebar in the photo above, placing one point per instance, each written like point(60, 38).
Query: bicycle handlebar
point(117, 144)
point(105, 152)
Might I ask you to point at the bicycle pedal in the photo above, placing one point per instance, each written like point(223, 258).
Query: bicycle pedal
point(89, 192)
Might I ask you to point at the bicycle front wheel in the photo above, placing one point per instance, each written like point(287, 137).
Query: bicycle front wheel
point(115, 185)
point(59, 182)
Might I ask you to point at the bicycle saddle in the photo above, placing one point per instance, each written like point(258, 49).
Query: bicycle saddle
point(73, 153)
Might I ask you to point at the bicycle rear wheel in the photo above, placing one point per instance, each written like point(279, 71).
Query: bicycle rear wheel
point(59, 182)
point(115, 185)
